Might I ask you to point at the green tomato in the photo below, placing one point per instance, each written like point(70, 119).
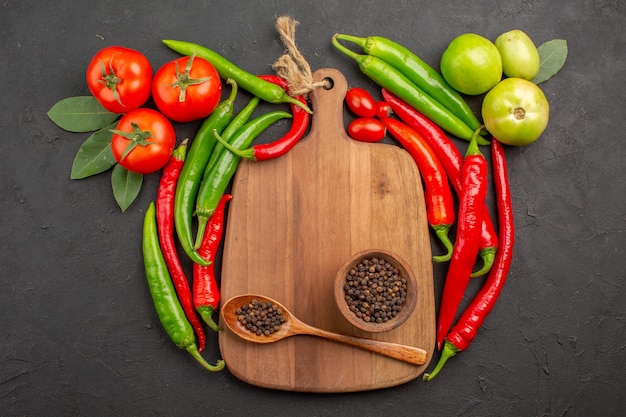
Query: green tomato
point(471, 64)
point(515, 112)
point(520, 57)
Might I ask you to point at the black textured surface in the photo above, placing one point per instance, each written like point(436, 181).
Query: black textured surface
point(79, 336)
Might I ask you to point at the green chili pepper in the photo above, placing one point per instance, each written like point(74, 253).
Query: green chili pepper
point(419, 72)
point(193, 170)
point(166, 302)
point(265, 90)
point(386, 76)
point(217, 178)
point(238, 121)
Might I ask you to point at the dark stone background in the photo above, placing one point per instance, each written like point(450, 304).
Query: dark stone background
point(79, 336)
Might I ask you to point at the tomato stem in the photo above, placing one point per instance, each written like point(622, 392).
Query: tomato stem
point(184, 80)
point(136, 137)
point(111, 80)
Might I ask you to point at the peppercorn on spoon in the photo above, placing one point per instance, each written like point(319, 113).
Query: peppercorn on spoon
point(292, 326)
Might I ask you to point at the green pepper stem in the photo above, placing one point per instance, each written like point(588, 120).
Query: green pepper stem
point(473, 149)
point(362, 42)
point(449, 350)
point(488, 256)
point(345, 50)
point(203, 220)
point(243, 153)
point(234, 88)
point(181, 150)
point(480, 140)
point(442, 234)
point(292, 100)
point(206, 312)
point(193, 350)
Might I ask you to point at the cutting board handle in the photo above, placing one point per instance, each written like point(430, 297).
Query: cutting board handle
point(327, 104)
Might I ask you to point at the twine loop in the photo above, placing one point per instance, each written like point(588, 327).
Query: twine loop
point(292, 66)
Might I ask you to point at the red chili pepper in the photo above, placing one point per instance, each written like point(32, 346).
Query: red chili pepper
point(206, 295)
point(366, 129)
point(466, 245)
point(452, 160)
point(464, 331)
point(439, 201)
point(165, 228)
point(279, 147)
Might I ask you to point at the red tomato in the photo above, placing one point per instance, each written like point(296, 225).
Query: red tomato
point(186, 89)
point(143, 141)
point(383, 109)
point(119, 78)
point(360, 102)
point(367, 129)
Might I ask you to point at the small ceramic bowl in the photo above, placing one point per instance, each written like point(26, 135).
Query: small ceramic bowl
point(369, 312)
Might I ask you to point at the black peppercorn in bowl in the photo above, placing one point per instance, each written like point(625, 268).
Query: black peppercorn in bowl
point(376, 290)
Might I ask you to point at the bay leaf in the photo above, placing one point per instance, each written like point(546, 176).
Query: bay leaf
point(126, 186)
point(95, 155)
point(552, 56)
point(80, 114)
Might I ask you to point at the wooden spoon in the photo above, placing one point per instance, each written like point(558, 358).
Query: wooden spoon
point(293, 326)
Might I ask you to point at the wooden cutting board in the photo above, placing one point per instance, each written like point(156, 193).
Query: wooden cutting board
point(294, 220)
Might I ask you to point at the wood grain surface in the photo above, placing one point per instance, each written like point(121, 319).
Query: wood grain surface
point(294, 220)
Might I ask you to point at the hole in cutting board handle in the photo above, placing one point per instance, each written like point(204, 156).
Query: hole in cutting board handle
point(330, 83)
